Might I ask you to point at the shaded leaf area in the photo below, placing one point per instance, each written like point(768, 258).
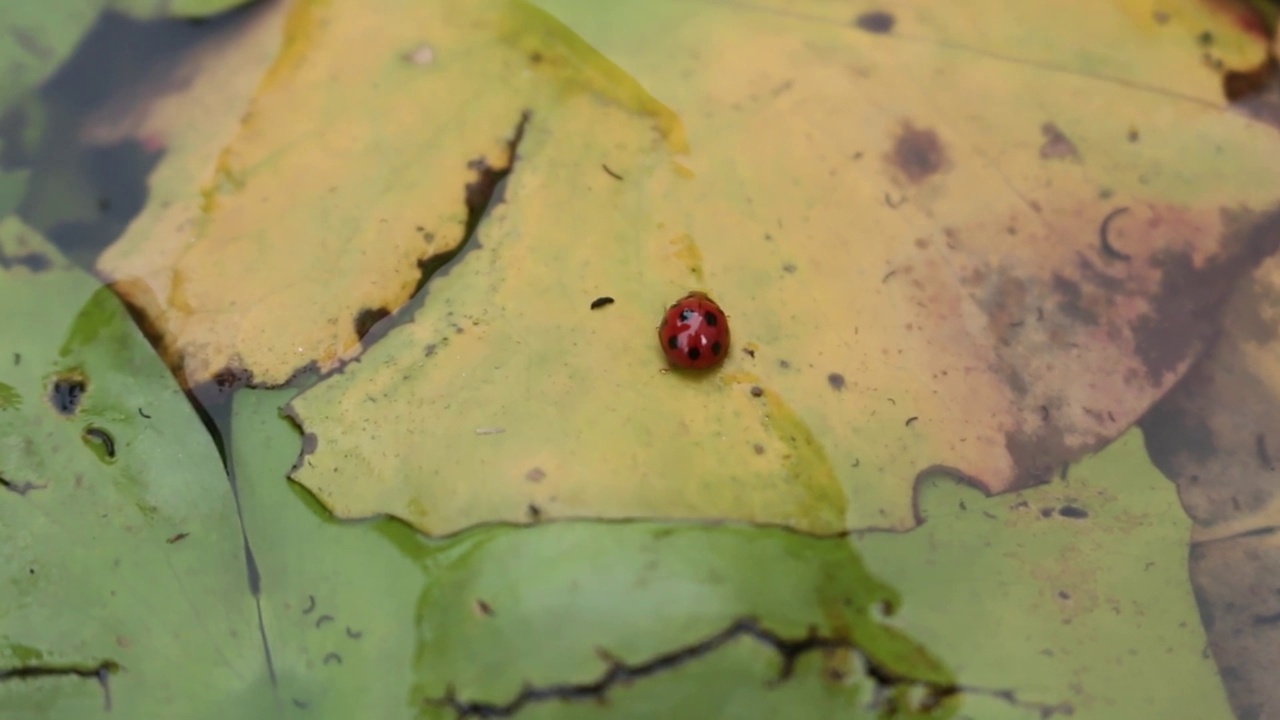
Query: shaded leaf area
point(1073, 596)
point(39, 36)
point(997, 290)
point(141, 108)
point(1215, 436)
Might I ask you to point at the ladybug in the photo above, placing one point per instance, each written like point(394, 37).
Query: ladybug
point(694, 333)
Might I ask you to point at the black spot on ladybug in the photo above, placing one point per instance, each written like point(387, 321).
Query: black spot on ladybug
point(367, 318)
point(715, 348)
point(710, 318)
point(694, 354)
point(836, 381)
point(673, 342)
point(66, 394)
point(601, 302)
point(876, 21)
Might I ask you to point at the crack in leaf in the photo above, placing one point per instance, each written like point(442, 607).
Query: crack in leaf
point(620, 673)
point(101, 672)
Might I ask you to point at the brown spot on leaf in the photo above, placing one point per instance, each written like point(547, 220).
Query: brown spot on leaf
point(1057, 146)
point(1071, 301)
point(369, 317)
point(836, 381)
point(918, 153)
point(876, 21)
point(1186, 307)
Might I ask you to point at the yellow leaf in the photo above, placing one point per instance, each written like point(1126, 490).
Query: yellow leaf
point(982, 237)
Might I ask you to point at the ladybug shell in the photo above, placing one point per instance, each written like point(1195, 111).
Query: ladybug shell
point(694, 333)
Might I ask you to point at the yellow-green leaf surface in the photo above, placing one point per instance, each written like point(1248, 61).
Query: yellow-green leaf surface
point(191, 111)
point(1073, 595)
point(350, 169)
point(903, 215)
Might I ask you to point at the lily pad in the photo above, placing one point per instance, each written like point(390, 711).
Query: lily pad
point(939, 246)
point(1073, 596)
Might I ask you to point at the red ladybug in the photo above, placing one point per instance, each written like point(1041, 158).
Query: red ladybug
point(694, 333)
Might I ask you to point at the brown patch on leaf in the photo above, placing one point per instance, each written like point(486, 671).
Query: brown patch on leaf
point(918, 154)
point(1057, 146)
point(876, 21)
point(369, 317)
point(1187, 306)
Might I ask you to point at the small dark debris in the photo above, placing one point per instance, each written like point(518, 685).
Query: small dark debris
point(1062, 473)
point(535, 474)
point(178, 538)
point(1073, 512)
point(484, 608)
point(311, 605)
point(1205, 38)
point(1271, 619)
point(757, 391)
point(601, 302)
point(989, 515)
point(836, 381)
point(784, 364)
point(143, 413)
point(67, 393)
point(1044, 413)
point(611, 173)
point(1046, 512)
point(1104, 236)
point(17, 359)
point(758, 448)
point(1134, 136)
point(102, 438)
point(332, 657)
point(353, 633)
point(1064, 594)
point(535, 512)
point(894, 204)
point(323, 619)
point(20, 488)
point(876, 21)
point(750, 353)
point(301, 704)
point(888, 275)
point(1264, 457)
point(789, 268)
point(912, 419)
point(963, 506)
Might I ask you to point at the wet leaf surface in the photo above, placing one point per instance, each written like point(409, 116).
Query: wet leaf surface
point(996, 292)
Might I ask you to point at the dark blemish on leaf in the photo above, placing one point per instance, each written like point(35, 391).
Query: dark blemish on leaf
point(989, 515)
point(431, 350)
point(102, 439)
point(784, 364)
point(1044, 413)
point(535, 474)
point(1271, 619)
point(1238, 85)
point(1064, 594)
point(1057, 146)
point(301, 704)
point(759, 449)
point(601, 302)
point(611, 173)
point(1073, 512)
point(912, 420)
point(20, 488)
point(917, 153)
point(750, 353)
point(484, 608)
point(1046, 512)
point(67, 393)
point(1133, 135)
point(17, 359)
point(535, 512)
point(1264, 457)
point(1205, 38)
point(178, 538)
point(1071, 302)
point(1104, 236)
point(311, 605)
point(963, 505)
point(888, 275)
point(856, 462)
point(143, 413)
point(757, 391)
point(353, 633)
point(323, 619)
point(332, 657)
point(369, 317)
point(895, 204)
point(789, 268)
point(836, 381)
point(876, 21)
